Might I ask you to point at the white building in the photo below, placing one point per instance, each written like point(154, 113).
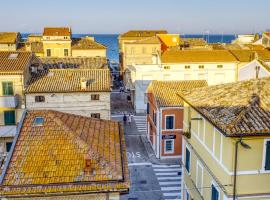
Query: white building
point(78, 91)
point(216, 67)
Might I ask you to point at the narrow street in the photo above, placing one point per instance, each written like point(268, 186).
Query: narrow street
point(151, 179)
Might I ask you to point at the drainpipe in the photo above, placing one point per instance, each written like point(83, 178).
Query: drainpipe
point(235, 168)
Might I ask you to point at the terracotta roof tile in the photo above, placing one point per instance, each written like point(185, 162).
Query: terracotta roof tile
point(249, 55)
point(66, 154)
point(69, 80)
point(185, 56)
point(85, 43)
point(165, 92)
point(57, 31)
point(143, 33)
point(8, 37)
point(241, 108)
point(15, 61)
point(149, 40)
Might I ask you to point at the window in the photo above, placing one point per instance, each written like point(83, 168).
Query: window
point(214, 193)
point(199, 177)
point(9, 117)
point(39, 99)
point(148, 109)
point(219, 66)
point(65, 52)
point(169, 122)
point(65, 37)
point(169, 146)
point(201, 66)
point(187, 67)
point(8, 146)
point(94, 97)
point(187, 163)
point(47, 38)
point(49, 52)
point(167, 67)
point(187, 196)
point(95, 115)
point(39, 121)
point(154, 118)
point(267, 155)
point(7, 88)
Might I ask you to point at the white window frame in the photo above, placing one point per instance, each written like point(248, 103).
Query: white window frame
point(166, 122)
point(165, 145)
point(264, 156)
point(216, 187)
point(199, 164)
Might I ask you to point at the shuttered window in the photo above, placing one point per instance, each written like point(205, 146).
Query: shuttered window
point(169, 122)
point(7, 88)
point(214, 193)
point(267, 156)
point(187, 164)
point(9, 117)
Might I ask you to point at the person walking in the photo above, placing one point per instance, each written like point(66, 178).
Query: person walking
point(125, 119)
point(129, 119)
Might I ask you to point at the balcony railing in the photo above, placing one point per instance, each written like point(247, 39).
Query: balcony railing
point(8, 101)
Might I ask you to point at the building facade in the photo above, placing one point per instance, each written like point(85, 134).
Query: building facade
point(9, 41)
point(226, 148)
point(165, 116)
point(14, 75)
point(266, 39)
point(83, 92)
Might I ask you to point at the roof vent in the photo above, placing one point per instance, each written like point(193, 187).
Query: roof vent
point(83, 84)
point(13, 56)
point(39, 121)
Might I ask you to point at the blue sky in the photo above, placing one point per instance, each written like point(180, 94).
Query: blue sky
point(116, 16)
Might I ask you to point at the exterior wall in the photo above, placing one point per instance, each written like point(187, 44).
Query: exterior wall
point(8, 47)
point(215, 153)
point(89, 53)
point(142, 75)
point(266, 40)
point(76, 103)
point(249, 71)
point(57, 47)
point(177, 131)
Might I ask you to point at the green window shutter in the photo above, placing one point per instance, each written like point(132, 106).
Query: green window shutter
point(9, 117)
point(7, 88)
point(267, 156)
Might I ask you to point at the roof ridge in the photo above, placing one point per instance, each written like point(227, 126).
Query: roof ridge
point(79, 141)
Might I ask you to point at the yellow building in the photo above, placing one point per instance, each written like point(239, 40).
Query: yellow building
point(226, 148)
point(9, 41)
point(14, 74)
point(57, 42)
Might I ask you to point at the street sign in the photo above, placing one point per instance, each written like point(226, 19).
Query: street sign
point(164, 137)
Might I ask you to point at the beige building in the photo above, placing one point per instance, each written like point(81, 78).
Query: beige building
point(14, 75)
point(266, 39)
point(83, 92)
point(64, 156)
point(226, 148)
point(9, 41)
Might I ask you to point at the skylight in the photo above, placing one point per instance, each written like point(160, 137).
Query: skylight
point(39, 121)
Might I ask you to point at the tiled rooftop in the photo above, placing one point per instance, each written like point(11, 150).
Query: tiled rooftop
point(143, 33)
point(69, 80)
point(81, 62)
point(241, 108)
point(85, 43)
point(15, 61)
point(8, 37)
point(57, 31)
point(249, 55)
point(193, 41)
point(66, 154)
point(149, 40)
point(184, 56)
point(165, 92)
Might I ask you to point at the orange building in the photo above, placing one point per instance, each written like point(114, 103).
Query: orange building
point(165, 116)
point(169, 41)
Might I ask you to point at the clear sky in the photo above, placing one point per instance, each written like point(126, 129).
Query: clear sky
point(116, 16)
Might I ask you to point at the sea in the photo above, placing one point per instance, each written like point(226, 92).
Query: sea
point(111, 41)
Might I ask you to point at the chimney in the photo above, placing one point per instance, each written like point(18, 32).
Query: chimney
point(88, 170)
point(83, 84)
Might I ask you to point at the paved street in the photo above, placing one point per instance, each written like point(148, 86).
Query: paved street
point(151, 179)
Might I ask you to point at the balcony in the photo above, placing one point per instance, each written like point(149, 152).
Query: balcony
point(8, 101)
point(8, 131)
